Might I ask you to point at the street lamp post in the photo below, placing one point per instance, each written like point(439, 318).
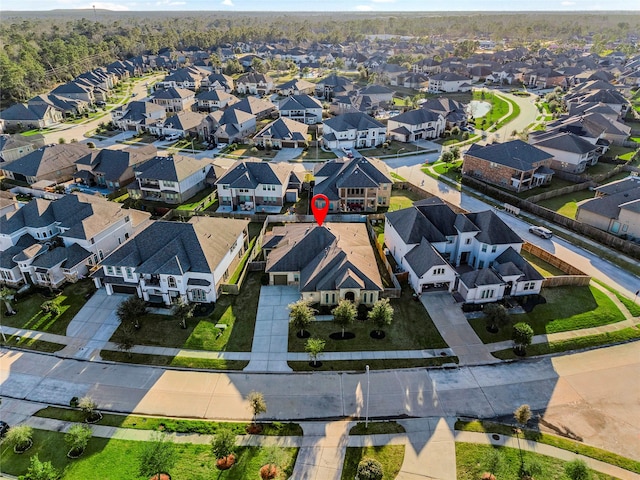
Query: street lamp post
point(398, 152)
point(366, 416)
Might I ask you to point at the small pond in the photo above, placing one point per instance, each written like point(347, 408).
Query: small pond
point(478, 108)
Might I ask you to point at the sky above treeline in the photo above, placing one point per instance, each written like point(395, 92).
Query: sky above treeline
point(329, 5)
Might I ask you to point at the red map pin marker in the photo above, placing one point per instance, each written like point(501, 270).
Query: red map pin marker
point(320, 207)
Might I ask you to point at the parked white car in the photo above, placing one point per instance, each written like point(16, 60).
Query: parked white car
point(541, 231)
point(172, 137)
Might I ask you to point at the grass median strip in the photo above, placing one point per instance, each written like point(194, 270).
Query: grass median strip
point(589, 341)
point(390, 456)
point(376, 428)
point(605, 456)
point(33, 344)
point(359, 365)
point(167, 360)
point(171, 425)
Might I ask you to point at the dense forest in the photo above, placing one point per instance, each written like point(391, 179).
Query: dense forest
point(40, 49)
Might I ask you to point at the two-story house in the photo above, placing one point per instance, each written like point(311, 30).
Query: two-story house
point(571, 153)
point(301, 108)
point(50, 242)
point(253, 185)
point(218, 81)
point(297, 86)
point(171, 260)
point(353, 130)
point(31, 116)
point(415, 125)
point(138, 116)
point(174, 99)
point(354, 184)
point(515, 165)
point(254, 83)
point(212, 100)
point(448, 82)
point(282, 133)
point(475, 254)
point(169, 179)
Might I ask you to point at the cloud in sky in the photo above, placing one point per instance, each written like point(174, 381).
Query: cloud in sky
point(383, 1)
point(363, 8)
point(227, 3)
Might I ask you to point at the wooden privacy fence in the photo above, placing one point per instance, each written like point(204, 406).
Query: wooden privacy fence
point(563, 280)
point(552, 259)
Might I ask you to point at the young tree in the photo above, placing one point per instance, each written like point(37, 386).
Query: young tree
point(496, 316)
point(131, 310)
point(157, 456)
point(77, 438)
point(381, 314)
point(577, 470)
point(369, 469)
point(455, 151)
point(40, 470)
point(522, 414)
point(447, 157)
point(314, 347)
point(52, 307)
point(183, 311)
point(20, 437)
point(223, 443)
point(257, 404)
point(522, 336)
point(344, 313)
point(126, 338)
point(6, 296)
point(89, 406)
point(301, 315)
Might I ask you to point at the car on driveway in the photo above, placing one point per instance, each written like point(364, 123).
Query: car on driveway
point(541, 231)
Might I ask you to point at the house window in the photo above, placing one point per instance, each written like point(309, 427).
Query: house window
point(198, 295)
point(101, 255)
point(128, 272)
point(529, 286)
point(110, 271)
point(493, 249)
point(118, 271)
point(484, 247)
point(467, 241)
point(172, 282)
point(488, 293)
point(439, 271)
point(296, 277)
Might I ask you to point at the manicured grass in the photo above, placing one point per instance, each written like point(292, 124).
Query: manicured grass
point(567, 205)
point(376, 428)
point(397, 177)
point(31, 316)
point(545, 268)
point(238, 312)
point(567, 308)
point(632, 306)
point(499, 108)
point(390, 456)
point(579, 343)
point(360, 365)
point(167, 360)
point(118, 459)
point(470, 463)
point(196, 200)
point(411, 329)
point(605, 456)
point(177, 425)
point(33, 344)
point(379, 229)
point(402, 199)
point(243, 261)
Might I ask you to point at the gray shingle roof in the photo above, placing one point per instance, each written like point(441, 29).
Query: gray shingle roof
point(564, 141)
point(479, 278)
point(285, 129)
point(350, 173)
point(510, 259)
point(251, 173)
point(423, 257)
point(354, 120)
point(173, 169)
point(48, 159)
point(515, 154)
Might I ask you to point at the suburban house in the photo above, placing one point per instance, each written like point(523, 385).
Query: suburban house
point(189, 77)
point(475, 254)
point(256, 185)
point(353, 130)
point(171, 260)
point(571, 153)
point(8, 203)
point(515, 165)
point(417, 81)
point(50, 242)
point(301, 108)
point(77, 90)
point(256, 106)
point(254, 83)
point(20, 115)
point(56, 163)
point(138, 116)
point(211, 100)
point(66, 106)
point(13, 147)
point(415, 125)
point(328, 264)
point(354, 184)
point(594, 127)
point(218, 81)
point(228, 126)
point(454, 112)
point(616, 208)
point(169, 179)
point(448, 82)
point(183, 124)
point(333, 85)
point(112, 169)
point(174, 99)
point(297, 86)
point(282, 133)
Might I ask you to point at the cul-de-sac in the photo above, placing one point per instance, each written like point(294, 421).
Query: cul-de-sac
point(319, 242)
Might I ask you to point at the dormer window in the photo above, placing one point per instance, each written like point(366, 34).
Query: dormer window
point(171, 281)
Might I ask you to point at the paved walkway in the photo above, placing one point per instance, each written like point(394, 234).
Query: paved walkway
point(271, 335)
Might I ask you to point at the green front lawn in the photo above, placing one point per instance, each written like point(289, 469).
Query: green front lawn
point(118, 459)
point(567, 308)
point(470, 463)
point(632, 305)
point(578, 343)
point(390, 456)
point(30, 316)
point(411, 329)
point(499, 108)
point(238, 312)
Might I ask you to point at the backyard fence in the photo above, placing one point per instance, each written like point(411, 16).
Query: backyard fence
point(396, 290)
point(564, 280)
point(551, 259)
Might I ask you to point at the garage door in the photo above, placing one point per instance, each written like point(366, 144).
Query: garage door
point(124, 289)
point(280, 279)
